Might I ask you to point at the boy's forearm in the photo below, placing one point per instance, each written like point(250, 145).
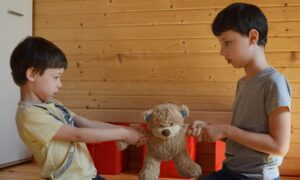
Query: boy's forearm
point(84, 122)
point(275, 142)
point(92, 135)
point(259, 141)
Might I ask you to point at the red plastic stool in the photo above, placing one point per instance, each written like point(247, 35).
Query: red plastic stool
point(108, 159)
point(136, 155)
point(210, 156)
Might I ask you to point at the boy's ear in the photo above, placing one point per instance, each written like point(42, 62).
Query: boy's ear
point(30, 74)
point(253, 36)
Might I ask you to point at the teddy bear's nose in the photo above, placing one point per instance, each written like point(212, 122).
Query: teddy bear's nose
point(166, 132)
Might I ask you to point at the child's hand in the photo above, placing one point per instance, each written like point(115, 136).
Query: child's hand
point(195, 129)
point(212, 133)
point(135, 136)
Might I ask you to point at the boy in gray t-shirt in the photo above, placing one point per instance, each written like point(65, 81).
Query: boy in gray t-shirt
point(259, 135)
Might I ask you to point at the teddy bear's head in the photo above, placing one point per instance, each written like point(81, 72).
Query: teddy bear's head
point(166, 120)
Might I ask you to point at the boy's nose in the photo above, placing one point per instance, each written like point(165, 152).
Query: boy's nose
point(222, 52)
point(59, 84)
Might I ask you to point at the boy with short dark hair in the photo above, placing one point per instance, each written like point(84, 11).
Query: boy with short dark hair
point(55, 135)
point(259, 135)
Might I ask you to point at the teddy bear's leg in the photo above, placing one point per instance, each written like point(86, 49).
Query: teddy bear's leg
point(186, 167)
point(150, 170)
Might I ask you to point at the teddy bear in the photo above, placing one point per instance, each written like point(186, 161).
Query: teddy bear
point(167, 141)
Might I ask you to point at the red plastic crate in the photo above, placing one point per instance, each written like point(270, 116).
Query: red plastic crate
point(108, 159)
point(210, 156)
point(136, 155)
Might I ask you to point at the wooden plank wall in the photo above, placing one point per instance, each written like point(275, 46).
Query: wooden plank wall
point(128, 55)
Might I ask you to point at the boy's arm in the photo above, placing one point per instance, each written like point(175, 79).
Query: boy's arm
point(90, 135)
point(94, 131)
point(84, 122)
point(276, 142)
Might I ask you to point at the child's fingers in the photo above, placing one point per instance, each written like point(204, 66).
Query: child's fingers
point(208, 135)
point(189, 132)
point(142, 141)
point(200, 137)
point(193, 125)
point(198, 132)
point(201, 124)
point(205, 135)
point(193, 131)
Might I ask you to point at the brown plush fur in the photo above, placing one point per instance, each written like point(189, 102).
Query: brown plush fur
point(167, 141)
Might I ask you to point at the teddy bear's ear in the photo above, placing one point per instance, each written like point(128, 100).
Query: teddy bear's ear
point(147, 115)
point(184, 110)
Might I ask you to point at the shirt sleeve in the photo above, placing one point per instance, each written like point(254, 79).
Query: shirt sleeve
point(37, 125)
point(278, 94)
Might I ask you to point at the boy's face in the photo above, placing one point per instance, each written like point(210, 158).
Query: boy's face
point(237, 49)
point(47, 85)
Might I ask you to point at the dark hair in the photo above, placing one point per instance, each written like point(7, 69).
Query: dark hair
point(241, 18)
point(37, 53)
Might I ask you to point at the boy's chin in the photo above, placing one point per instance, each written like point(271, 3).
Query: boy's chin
point(47, 99)
point(237, 66)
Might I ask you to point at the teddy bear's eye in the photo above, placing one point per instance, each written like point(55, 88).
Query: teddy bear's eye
point(171, 124)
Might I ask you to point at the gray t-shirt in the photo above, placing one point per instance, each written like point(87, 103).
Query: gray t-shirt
point(255, 100)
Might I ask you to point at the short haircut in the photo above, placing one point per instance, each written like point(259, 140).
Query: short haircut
point(37, 53)
point(241, 18)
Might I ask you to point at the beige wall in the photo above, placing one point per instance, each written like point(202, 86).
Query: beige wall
point(128, 55)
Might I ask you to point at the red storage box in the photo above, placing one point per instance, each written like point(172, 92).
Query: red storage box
point(168, 169)
point(108, 159)
point(136, 155)
point(210, 156)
